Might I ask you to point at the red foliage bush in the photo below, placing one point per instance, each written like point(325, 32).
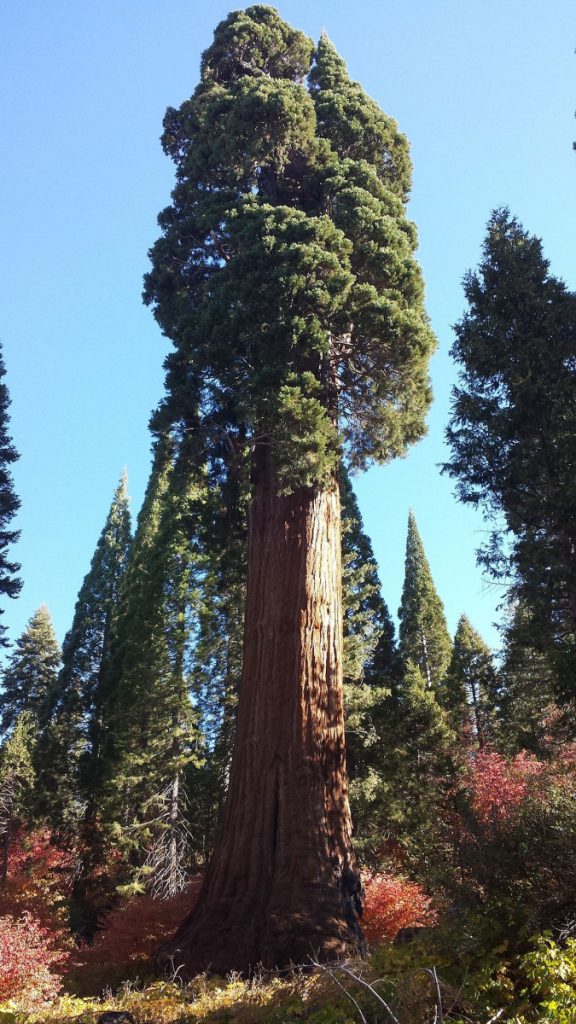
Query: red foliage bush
point(393, 903)
point(129, 937)
point(36, 851)
point(498, 785)
point(513, 844)
point(40, 877)
point(33, 944)
point(28, 954)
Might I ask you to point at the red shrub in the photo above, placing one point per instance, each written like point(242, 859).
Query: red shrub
point(393, 903)
point(129, 937)
point(28, 954)
point(32, 908)
point(498, 785)
point(40, 877)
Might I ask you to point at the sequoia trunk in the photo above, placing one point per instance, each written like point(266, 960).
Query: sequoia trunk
point(282, 883)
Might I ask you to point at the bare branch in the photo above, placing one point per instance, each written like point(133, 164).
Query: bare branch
point(219, 247)
point(360, 981)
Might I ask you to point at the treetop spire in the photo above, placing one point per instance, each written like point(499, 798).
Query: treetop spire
point(357, 128)
point(329, 69)
point(424, 637)
point(10, 584)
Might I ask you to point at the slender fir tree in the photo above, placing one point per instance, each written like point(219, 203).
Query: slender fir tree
point(412, 770)
point(370, 659)
point(421, 767)
point(469, 692)
point(216, 669)
point(285, 277)
point(424, 741)
point(10, 584)
point(527, 699)
point(71, 749)
point(423, 634)
point(29, 679)
point(368, 626)
point(17, 778)
point(151, 733)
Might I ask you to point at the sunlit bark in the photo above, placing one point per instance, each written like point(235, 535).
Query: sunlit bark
point(282, 883)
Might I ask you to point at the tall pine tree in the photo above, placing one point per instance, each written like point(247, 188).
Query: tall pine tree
point(369, 647)
point(10, 584)
point(469, 692)
point(423, 633)
point(17, 779)
point(421, 764)
point(71, 749)
point(527, 700)
point(513, 427)
point(151, 732)
point(216, 671)
point(30, 676)
point(220, 528)
point(285, 276)
point(370, 663)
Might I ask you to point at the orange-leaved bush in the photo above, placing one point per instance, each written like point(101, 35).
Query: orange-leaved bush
point(28, 955)
point(129, 937)
point(392, 903)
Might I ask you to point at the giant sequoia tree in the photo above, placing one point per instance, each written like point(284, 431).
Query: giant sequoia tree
point(285, 278)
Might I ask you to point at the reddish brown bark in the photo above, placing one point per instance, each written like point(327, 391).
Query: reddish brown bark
point(280, 884)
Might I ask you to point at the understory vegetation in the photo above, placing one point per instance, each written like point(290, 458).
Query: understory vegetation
point(487, 929)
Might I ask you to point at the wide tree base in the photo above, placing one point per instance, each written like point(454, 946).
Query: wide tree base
point(317, 921)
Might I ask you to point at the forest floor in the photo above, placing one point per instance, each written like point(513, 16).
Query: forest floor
point(419, 982)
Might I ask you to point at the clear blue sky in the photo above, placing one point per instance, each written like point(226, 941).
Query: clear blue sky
point(484, 89)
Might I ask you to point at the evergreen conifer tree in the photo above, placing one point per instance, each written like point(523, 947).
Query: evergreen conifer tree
point(16, 782)
point(527, 687)
point(285, 277)
point(421, 768)
point(423, 633)
point(71, 749)
point(10, 584)
point(413, 770)
point(424, 741)
point(469, 692)
point(30, 676)
point(369, 647)
point(513, 427)
point(216, 669)
point(370, 662)
point(150, 721)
